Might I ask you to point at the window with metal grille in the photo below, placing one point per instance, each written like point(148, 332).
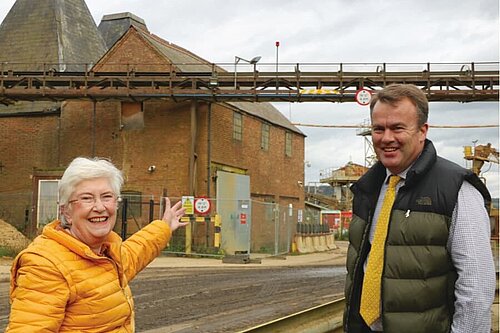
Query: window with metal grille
point(264, 139)
point(288, 144)
point(237, 126)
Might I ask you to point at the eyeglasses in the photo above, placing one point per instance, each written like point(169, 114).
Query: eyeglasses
point(90, 200)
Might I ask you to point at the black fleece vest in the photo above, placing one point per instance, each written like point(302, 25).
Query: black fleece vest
point(418, 277)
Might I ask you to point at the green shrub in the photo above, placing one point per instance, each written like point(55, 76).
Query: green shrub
point(8, 252)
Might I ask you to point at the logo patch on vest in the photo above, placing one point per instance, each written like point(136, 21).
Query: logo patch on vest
point(424, 201)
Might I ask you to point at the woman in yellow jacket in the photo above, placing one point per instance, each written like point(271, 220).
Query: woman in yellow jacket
point(75, 276)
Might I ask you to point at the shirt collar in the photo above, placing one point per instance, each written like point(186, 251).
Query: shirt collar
point(402, 174)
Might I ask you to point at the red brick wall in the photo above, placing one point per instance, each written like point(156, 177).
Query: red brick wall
point(271, 172)
point(164, 141)
point(133, 50)
point(274, 176)
point(27, 143)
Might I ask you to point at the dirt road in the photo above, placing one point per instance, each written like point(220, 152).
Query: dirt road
point(229, 299)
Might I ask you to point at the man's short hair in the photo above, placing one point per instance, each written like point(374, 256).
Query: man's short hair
point(394, 93)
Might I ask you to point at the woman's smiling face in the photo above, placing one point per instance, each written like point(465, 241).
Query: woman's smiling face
point(91, 211)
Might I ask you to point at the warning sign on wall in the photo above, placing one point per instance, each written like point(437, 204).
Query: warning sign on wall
point(188, 204)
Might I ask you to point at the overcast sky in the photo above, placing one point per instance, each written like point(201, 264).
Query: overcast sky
point(333, 31)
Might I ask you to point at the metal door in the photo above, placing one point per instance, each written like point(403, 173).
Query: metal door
point(234, 208)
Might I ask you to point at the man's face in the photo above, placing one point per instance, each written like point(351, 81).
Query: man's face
point(396, 136)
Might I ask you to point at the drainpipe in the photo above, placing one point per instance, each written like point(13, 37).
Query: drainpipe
point(192, 171)
point(209, 165)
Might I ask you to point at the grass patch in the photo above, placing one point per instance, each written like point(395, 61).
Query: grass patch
point(7, 252)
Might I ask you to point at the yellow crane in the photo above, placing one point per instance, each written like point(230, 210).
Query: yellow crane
point(479, 155)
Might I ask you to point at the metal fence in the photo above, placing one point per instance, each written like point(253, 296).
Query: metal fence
point(271, 227)
point(17, 209)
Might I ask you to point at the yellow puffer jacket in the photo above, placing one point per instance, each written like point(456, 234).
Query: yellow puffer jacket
point(59, 285)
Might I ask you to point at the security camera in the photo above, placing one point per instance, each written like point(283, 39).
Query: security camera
point(300, 183)
point(152, 168)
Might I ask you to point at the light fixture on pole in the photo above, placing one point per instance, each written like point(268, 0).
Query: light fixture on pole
point(237, 59)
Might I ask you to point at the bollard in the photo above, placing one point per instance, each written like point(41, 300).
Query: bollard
point(217, 230)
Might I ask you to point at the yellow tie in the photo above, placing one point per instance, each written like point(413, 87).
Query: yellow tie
point(370, 297)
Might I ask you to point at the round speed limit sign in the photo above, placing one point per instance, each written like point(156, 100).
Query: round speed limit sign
point(201, 205)
point(363, 96)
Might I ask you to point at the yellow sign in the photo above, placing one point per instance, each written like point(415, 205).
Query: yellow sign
point(188, 204)
point(321, 91)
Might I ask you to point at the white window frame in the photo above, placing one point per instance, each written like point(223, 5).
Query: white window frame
point(46, 203)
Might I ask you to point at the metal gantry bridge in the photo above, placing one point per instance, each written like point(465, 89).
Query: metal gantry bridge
point(309, 82)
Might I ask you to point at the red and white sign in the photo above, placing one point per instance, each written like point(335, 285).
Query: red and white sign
point(243, 218)
point(201, 205)
point(363, 96)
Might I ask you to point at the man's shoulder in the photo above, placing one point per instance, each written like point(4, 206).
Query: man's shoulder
point(442, 162)
point(468, 177)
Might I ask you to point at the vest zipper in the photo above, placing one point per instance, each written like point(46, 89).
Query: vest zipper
point(357, 268)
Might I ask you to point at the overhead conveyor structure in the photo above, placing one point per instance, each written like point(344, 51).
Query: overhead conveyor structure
point(309, 82)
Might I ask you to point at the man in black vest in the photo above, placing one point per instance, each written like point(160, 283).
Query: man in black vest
point(419, 257)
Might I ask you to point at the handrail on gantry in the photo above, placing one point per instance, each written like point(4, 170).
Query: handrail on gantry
point(121, 69)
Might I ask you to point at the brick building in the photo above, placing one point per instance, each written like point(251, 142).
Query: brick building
point(244, 153)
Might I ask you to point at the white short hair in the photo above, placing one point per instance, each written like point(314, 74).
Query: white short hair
point(82, 168)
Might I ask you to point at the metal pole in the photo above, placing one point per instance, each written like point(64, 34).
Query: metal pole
point(276, 227)
point(94, 123)
point(277, 82)
point(209, 148)
point(124, 218)
point(192, 171)
point(209, 166)
point(151, 209)
point(235, 72)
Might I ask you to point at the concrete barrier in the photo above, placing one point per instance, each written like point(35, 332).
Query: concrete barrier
point(309, 243)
